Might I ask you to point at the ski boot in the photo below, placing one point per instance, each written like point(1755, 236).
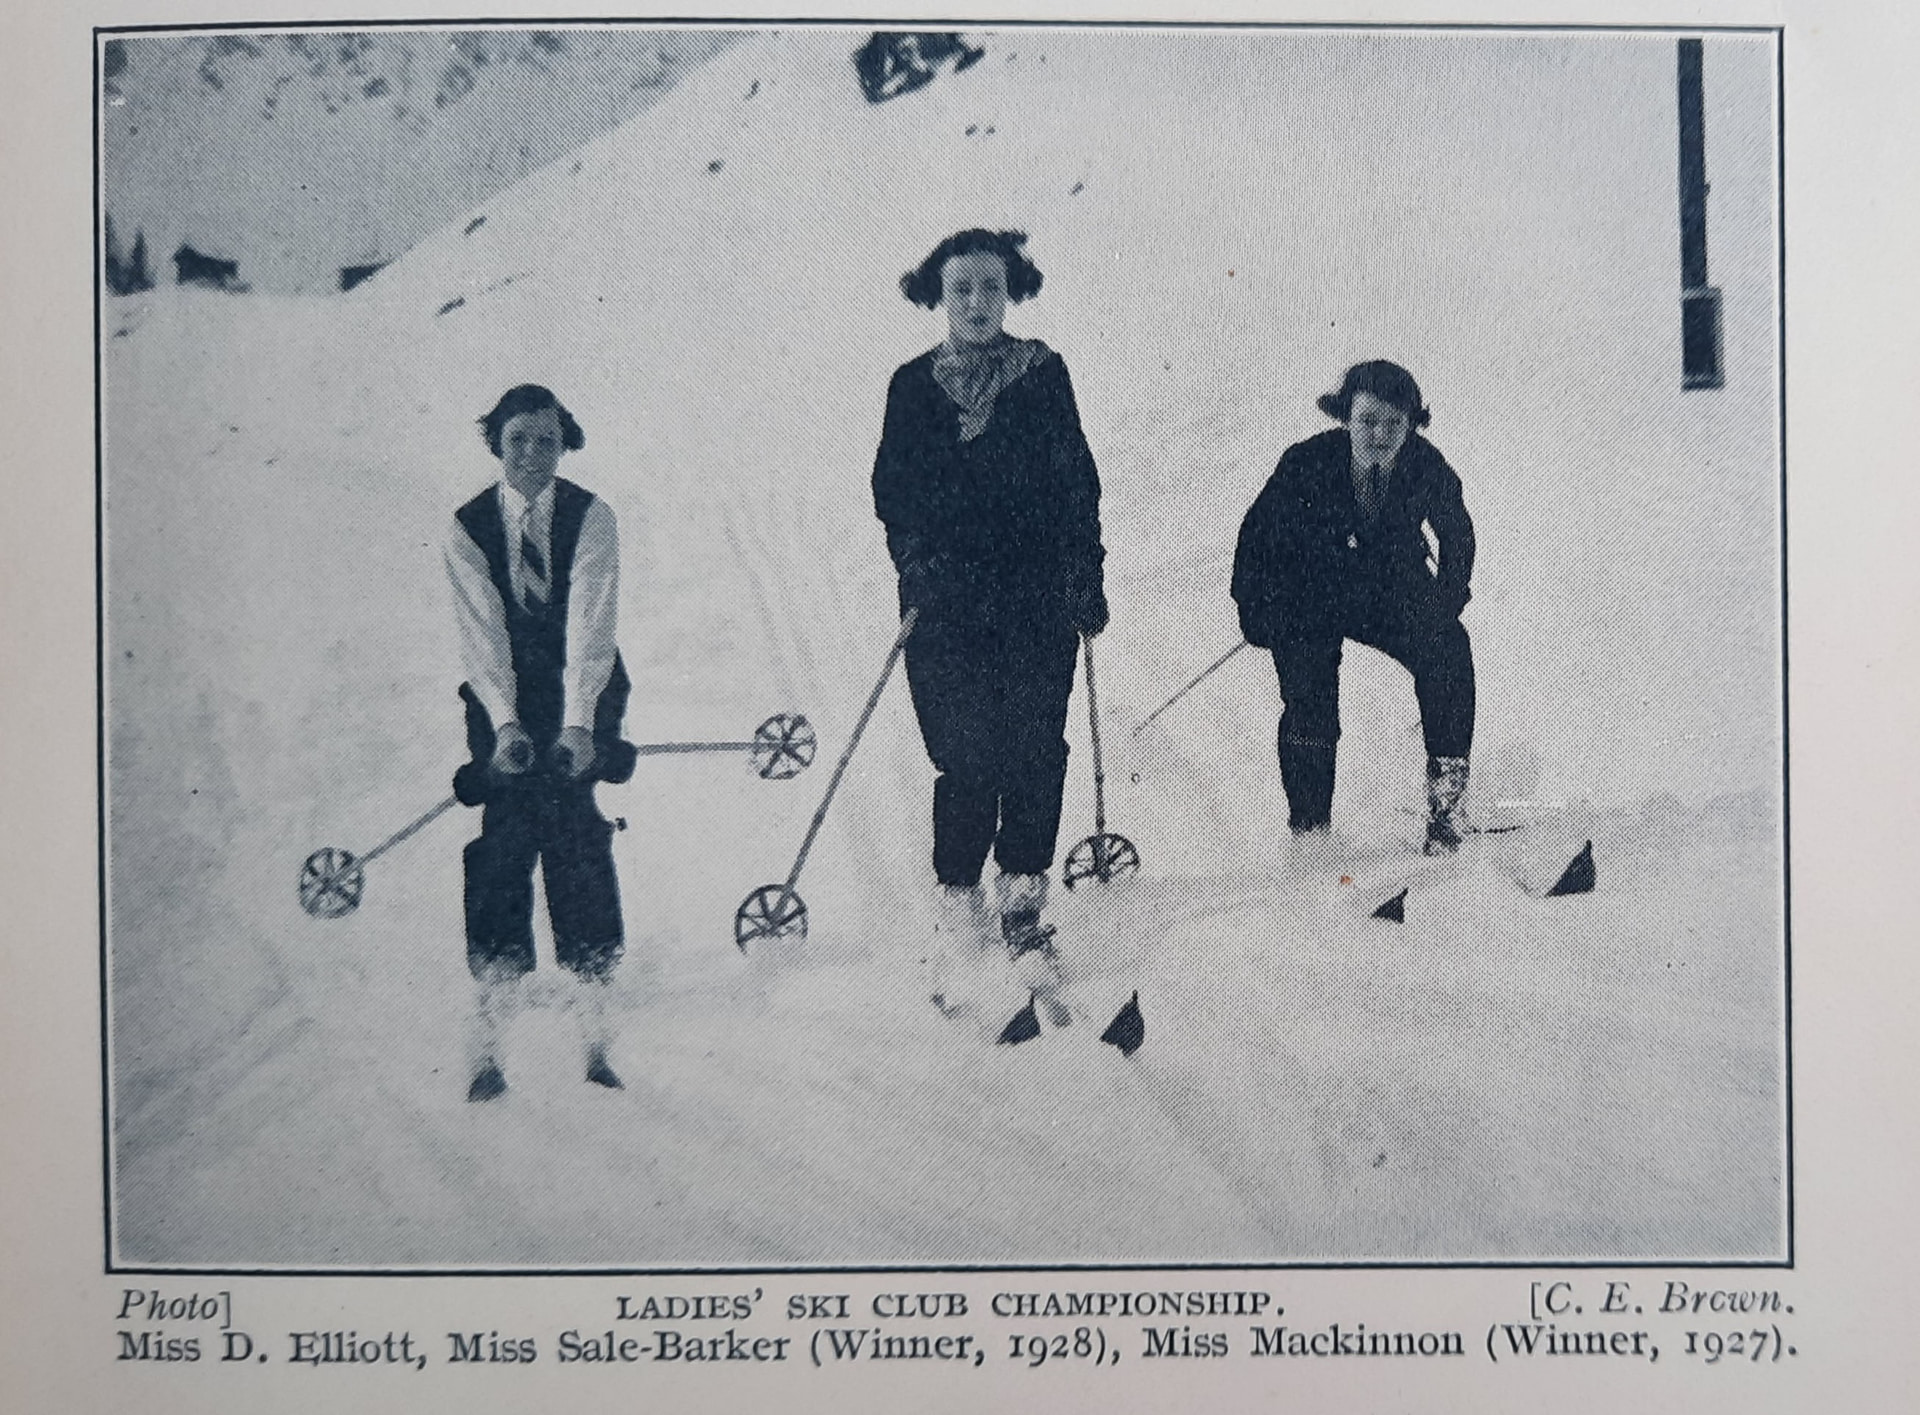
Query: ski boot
point(496, 999)
point(595, 1036)
point(962, 939)
point(1036, 962)
point(1446, 784)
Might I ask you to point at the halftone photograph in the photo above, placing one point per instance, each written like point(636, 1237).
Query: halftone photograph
point(1033, 647)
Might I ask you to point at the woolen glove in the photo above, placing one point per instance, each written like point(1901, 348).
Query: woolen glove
point(573, 754)
point(1257, 625)
point(1090, 613)
point(512, 751)
point(923, 581)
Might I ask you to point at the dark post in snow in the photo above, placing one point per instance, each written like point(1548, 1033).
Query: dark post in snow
point(1699, 301)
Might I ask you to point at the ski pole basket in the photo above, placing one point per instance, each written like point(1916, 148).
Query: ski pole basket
point(771, 911)
point(1103, 856)
point(332, 880)
point(783, 747)
point(331, 883)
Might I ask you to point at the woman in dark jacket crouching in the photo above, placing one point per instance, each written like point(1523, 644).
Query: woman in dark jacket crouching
point(1335, 548)
point(991, 503)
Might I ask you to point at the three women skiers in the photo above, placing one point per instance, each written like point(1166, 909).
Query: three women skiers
point(1335, 548)
point(991, 503)
point(534, 563)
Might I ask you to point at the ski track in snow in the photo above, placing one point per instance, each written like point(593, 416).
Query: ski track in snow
point(1502, 1077)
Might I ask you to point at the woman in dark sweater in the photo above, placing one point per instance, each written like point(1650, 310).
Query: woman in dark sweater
point(1335, 548)
point(991, 503)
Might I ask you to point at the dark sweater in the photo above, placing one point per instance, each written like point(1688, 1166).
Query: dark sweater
point(1003, 528)
point(538, 638)
point(1308, 559)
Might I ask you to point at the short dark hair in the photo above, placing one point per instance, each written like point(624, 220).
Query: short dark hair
point(922, 283)
point(1386, 381)
point(529, 398)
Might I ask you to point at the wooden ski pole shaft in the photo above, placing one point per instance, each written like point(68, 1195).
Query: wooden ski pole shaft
point(907, 622)
point(406, 831)
point(1093, 721)
point(1195, 682)
point(656, 749)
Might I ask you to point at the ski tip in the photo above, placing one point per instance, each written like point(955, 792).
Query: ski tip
point(600, 1073)
point(1394, 911)
point(1128, 1029)
point(1024, 1025)
point(1578, 877)
point(488, 1082)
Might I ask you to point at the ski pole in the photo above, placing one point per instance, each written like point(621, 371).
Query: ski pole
point(1197, 680)
point(776, 910)
point(1093, 722)
point(1100, 856)
point(331, 881)
point(409, 830)
point(782, 747)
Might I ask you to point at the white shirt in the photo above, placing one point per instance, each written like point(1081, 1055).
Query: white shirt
point(485, 651)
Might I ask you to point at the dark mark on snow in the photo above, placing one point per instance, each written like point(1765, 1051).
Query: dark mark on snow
point(474, 225)
point(1078, 187)
point(715, 165)
point(450, 306)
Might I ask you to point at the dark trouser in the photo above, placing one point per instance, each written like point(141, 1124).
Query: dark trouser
point(992, 705)
point(1435, 650)
point(558, 824)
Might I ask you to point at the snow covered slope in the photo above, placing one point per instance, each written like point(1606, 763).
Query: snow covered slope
point(1225, 221)
point(298, 153)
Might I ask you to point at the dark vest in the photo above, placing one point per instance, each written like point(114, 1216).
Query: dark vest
point(538, 637)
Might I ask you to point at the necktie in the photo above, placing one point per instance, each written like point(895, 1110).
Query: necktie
point(533, 564)
point(1371, 490)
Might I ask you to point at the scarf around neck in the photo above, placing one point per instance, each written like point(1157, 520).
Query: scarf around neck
point(974, 376)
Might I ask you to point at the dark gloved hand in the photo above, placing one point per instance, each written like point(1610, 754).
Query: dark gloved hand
point(512, 751)
point(1090, 612)
point(613, 760)
point(924, 583)
point(1083, 595)
point(1451, 599)
point(1257, 625)
point(573, 754)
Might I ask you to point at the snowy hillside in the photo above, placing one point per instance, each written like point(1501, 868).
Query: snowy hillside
point(297, 154)
point(1224, 223)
